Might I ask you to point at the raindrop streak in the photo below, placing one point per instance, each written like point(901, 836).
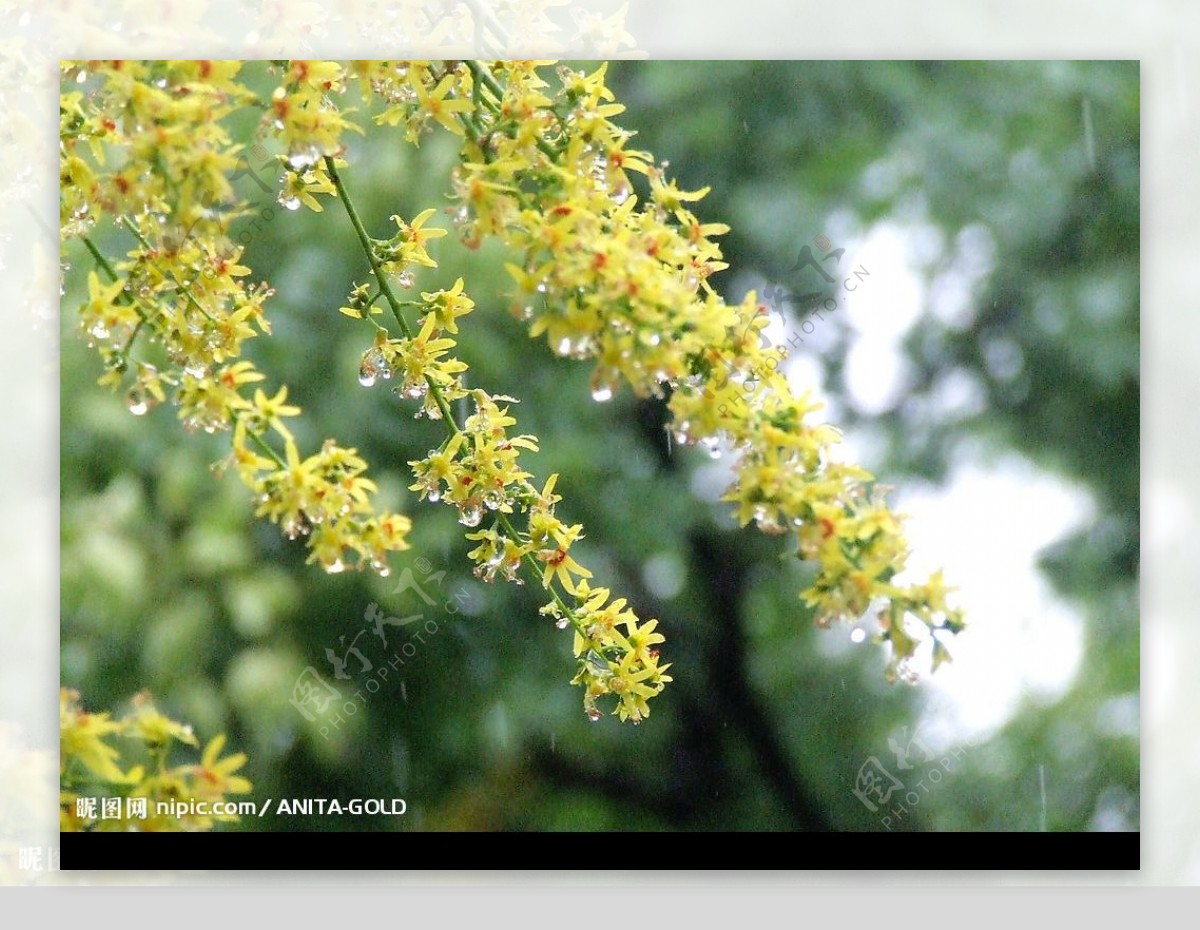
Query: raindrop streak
point(1089, 134)
point(1042, 785)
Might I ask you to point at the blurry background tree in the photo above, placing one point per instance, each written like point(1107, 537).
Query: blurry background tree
point(1013, 189)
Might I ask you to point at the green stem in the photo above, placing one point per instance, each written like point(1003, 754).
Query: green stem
point(184, 289)
point(502, 519)
point(264, 446)
point(483, 75)
point(100, 259)
point(123, 354)
point(451, 424)
point(385, 288)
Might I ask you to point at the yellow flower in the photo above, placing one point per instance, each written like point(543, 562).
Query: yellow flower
point(214, 776)
point(560, 566)
point(435, 104)
point(82, 736)
point(447, 306)
point(154, 728)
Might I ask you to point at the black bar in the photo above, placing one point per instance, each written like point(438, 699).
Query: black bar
point(926, 853)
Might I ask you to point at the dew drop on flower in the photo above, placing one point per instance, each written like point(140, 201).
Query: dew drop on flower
point(415, 389)
point(137, 402)
point(493, 499)
point(335, 567)
point(288, 201)
point(602, 393)
point(434, 495)
point(593, 715)
point(906, 673)
point(565, 346)
point(857, 635)
point(374, 365)
point(470, 514)
point(406, 279)
point(562, 623)
point(304, 158)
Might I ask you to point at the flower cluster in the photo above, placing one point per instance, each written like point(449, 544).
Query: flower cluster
point(622, 278)
point(624, 663)
point(91, 766)
point(147, 145)
point(304, 116)
point(611, 263)
point(476, 470)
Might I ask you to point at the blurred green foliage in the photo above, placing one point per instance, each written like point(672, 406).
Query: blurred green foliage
point(1029, 168)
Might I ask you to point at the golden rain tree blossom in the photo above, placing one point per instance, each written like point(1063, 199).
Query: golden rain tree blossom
point(605, 273)
point(91, 766)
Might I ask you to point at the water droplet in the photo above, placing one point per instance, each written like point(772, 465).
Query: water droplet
point(98, 330)
point(137, 403)
point(492, 500)
point(470, 514)
point(602, 393)
point(682, 433)
point(288, 201)
point(525, 312)
point(374, 365)
point(565, 346)
point(434, 495)
point(562, 623)
point(304, 158)
point(335, 567)
point(906, 673)
point(593, 715)
point(406, 279)
point(857, 635)
point(414, 390)
point(711, 445)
